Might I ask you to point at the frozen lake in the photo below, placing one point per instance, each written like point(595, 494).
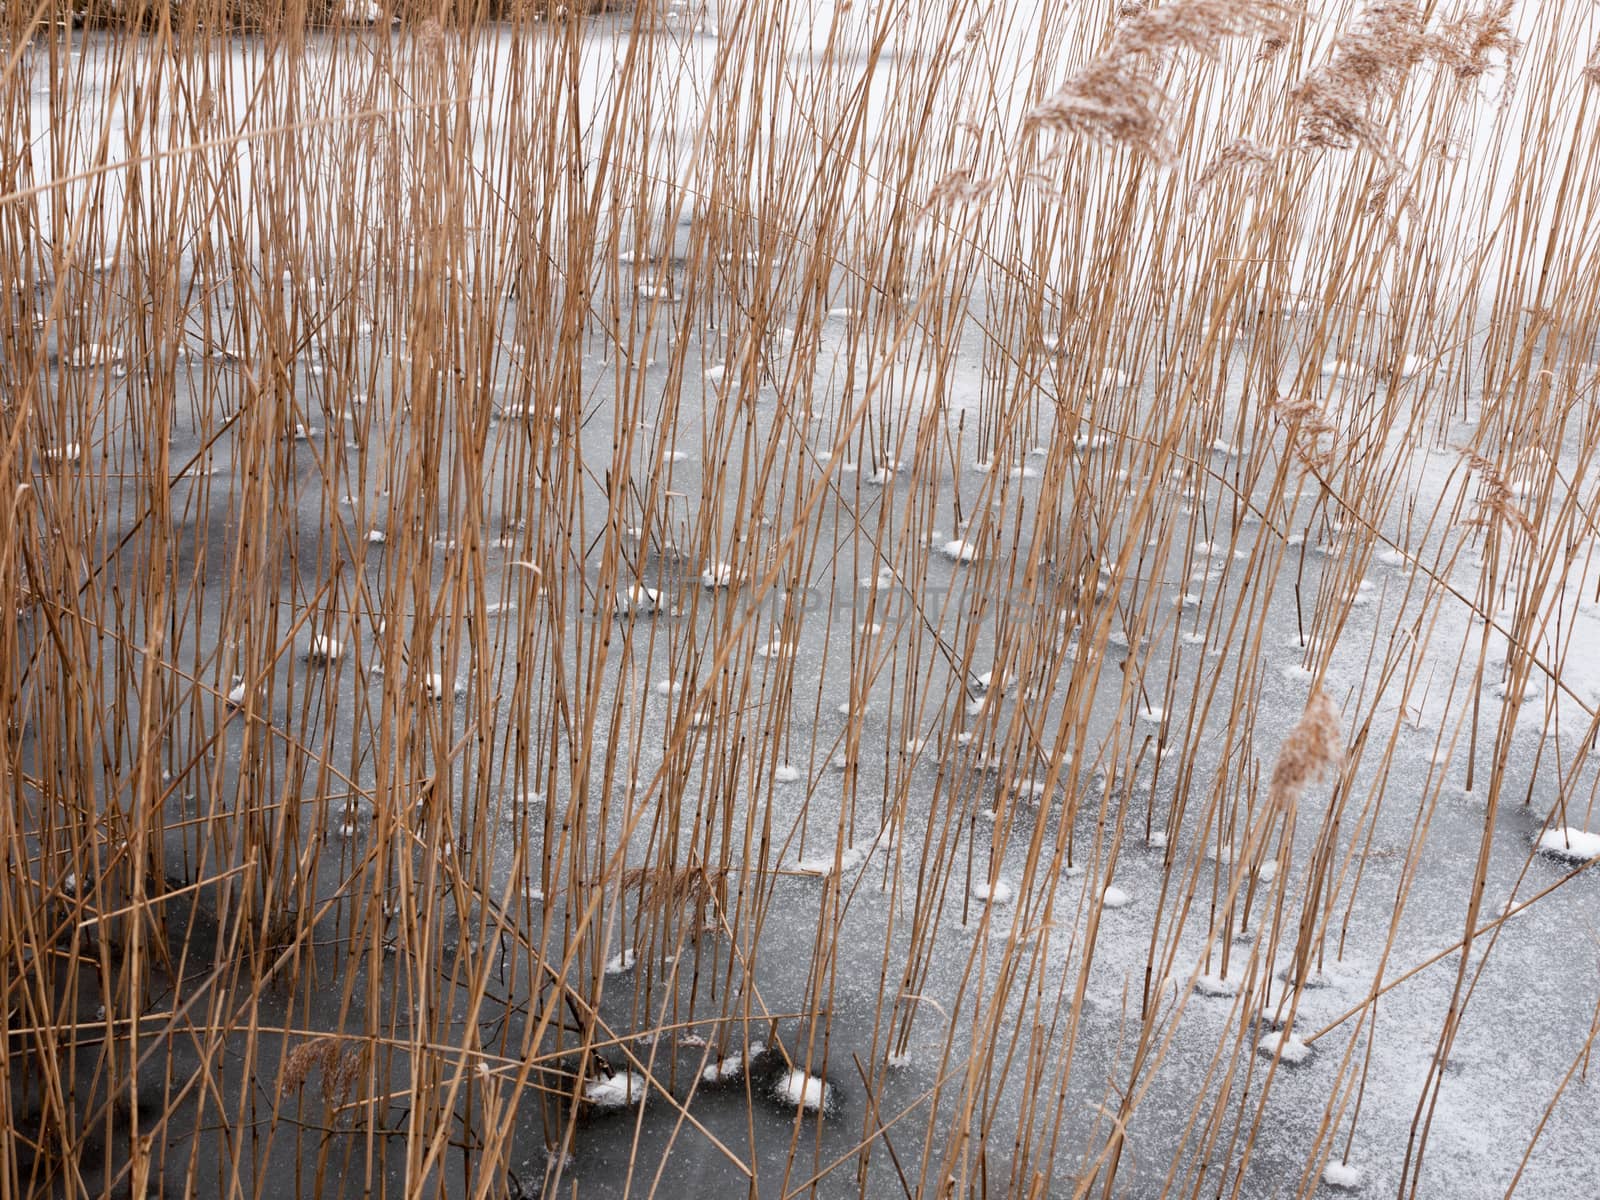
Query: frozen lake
point(693, 602)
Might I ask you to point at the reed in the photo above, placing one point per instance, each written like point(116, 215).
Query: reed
point(625, 599)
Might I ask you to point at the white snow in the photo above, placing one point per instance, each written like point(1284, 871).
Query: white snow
point(638, 599)
point(849, 858)
point(361, 12)
point(960, 551)
point(1570, 844)
point(999, 893)
point(799, 1090)
point(731, 1067)
point(325, 649)
point(1216, 985)
point(621, 1090)
point(717, 575)
point(785, 774)
point(94, 354)
point(1343, 1176)
point(622, 962)
point(1285, 1047)
point(1502, 690)
point(1030, 789)
point(1115, 897)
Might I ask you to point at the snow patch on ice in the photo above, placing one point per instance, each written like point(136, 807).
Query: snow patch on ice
point(1285, 1047)
point(325, 649)
point(799, 1090)
point(847, 859)
point(620, 1091)
point(621, 963)
point(731, 1067)
point(1343, 1176)
point(717, 575)
point(1570, 844)
point(998, 893)
point(1220, 985)
point(638, 599)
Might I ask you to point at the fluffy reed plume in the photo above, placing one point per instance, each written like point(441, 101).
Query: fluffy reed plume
point(341, 1068)
point(1372, 61)
point(1313, 747)
point(1369, 61)
point(667, 889)
point(1116, 98)
point(1497, 499)
point(959, 187)
point(1468, 44)
point(1239, 155)
point(1307, 424)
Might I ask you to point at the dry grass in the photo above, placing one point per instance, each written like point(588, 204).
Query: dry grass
point(549, 562)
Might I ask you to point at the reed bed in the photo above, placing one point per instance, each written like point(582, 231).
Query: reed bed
point(814, 600)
